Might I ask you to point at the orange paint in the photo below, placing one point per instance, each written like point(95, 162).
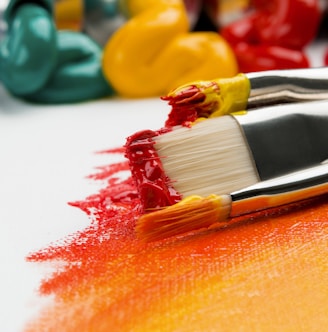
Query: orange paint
point(267, 273)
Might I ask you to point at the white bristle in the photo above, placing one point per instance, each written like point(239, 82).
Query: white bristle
point(211, 157)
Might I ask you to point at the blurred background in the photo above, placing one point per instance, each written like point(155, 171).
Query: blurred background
point(141, 49)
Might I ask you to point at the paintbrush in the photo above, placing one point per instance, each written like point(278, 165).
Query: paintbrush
point(191, 177)
point(245, 91)
point(196, 212)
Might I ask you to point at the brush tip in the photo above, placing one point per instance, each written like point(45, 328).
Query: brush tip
point(192, 101)
point(190, 214)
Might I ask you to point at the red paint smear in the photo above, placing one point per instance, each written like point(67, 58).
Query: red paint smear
point(113, 282)
point(154, 187)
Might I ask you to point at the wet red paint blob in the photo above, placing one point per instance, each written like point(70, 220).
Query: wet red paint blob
point(154, 186)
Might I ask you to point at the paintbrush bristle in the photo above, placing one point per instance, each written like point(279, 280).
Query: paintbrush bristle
point(190, 214)
point(211, 157)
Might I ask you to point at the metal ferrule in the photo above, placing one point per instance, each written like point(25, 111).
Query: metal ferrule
point(286, 138)
point(284, 86)
point(293, 187)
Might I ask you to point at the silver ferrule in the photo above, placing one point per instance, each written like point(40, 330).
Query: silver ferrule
point(286, 138)
point(290, 188)
point(284, 86)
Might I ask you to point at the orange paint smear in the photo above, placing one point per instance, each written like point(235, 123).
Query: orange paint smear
point(266, 273)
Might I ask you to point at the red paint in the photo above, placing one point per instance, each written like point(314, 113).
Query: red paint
point(253, 58)
point(189, 103)
point(113, 211)
point(181, 113)
point(274, 33)
point(290, 23)
point(154, 187)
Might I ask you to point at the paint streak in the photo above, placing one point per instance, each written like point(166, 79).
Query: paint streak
point(266, 273)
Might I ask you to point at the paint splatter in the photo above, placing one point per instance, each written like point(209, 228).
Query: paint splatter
point(268, 273)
